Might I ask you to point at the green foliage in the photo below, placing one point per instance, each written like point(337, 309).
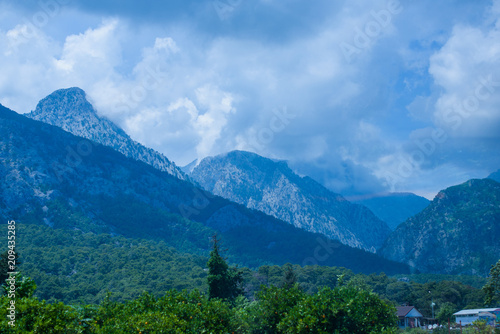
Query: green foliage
point(19, 286)
point(25, 286)
point(492, 287)
point(443, 330)
point(273, 305)
point(77, 267)
point(455, 294)
point(345, 309)
point(417, 331)
point(438, 239)
point(176, 312)
point(4, 265)
point(289, 277)
point(480, 327)
point(223, 282)
point(310, 278)
point(445, 312)
point(474, 281)
point(34, 316)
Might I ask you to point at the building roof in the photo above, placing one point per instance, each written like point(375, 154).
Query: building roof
point(404, 310)
point(476, 311)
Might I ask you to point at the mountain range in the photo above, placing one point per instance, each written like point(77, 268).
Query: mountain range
point(55, 178)
point(328, 213)
point(495, 176)
point(67, 167)
point(70, 110)
point(457, 233)
point(394, 208)
point(273, 188)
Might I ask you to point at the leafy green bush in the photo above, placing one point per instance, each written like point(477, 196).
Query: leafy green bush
point(344, 309)
point(34, 316)
point(176, 312)
point(419, 331)
point(273, 305)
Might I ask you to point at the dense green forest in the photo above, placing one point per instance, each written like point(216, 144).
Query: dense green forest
point(110, 279)
point(345, 309)
point(109, 193)
point(80, 268)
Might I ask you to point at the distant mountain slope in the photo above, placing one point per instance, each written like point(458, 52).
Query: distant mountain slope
point(395, 208)
point(273, 188)
point(495, 176)
point(55, 178)
point(189, 167)
point(70, 110)
point(458, 233)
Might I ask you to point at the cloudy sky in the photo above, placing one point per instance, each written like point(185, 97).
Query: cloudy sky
point(364, 96)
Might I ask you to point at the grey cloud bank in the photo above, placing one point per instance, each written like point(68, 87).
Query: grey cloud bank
point(397, 95)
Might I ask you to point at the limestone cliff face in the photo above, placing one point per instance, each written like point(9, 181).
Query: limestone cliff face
point(70, 110)
point(273, 188)
point(458, 233)
point(49, 178)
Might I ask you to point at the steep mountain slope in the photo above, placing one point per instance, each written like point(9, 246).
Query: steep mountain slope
point(189, 167)
point(70, 110)
point(273, 188)
point(55, 178)
point(395, 208)
point(495, 176)
point(457, 233)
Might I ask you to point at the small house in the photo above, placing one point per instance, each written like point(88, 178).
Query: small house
point(409, 317)
point(467, 317)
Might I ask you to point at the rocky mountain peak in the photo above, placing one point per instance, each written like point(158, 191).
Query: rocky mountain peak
point(70, 110)
point(64, 103)
point(272, 187)
point(105, 192)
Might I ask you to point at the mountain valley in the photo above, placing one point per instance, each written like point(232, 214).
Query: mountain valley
point(57, 179)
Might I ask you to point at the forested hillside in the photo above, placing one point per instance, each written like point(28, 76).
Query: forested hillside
point(456, 234)
point(55, 178)
point(77, 267)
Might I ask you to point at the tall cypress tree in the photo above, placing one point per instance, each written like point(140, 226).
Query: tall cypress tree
point(289, 278)
point(223, 282)
point(492, 287)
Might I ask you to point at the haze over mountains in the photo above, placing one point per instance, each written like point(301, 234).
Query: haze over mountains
point(265, 214)
point(58, 179)
point(332, 215)
point(394, 208)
